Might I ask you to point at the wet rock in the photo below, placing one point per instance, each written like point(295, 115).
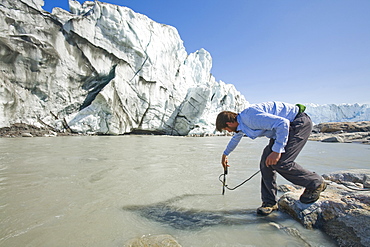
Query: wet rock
point(343, 212)
point(357, 132)
point(352, 137)
point(27, 130)
point(362, 126)
point(153, 241)
point(358, 137)
point(359, 177)
point(333, 139)
point(26, 135)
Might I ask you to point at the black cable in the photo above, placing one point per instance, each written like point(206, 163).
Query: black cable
point(224, 180)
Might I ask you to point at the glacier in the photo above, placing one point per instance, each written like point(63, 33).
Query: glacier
point(102, 68)
point(105, 69)
point(338, 112)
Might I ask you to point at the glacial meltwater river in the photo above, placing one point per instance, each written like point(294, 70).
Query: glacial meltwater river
point(105, 190)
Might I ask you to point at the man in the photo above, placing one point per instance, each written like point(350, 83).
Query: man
point(288, 128)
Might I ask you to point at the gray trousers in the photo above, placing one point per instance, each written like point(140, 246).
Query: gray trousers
point(299, 131)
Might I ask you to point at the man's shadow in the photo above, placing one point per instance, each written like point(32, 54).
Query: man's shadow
point(181, 218)
point(193, 219)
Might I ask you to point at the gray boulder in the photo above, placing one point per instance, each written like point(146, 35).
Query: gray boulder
point(361, 126)
point(343, 210)
point(333, 139)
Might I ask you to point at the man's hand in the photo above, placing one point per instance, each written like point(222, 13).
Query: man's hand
point(224, 161)
point(273, 158)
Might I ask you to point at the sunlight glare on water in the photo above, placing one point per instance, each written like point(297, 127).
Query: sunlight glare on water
point(106, 190)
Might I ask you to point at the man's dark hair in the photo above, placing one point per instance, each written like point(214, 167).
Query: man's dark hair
point(223, 118)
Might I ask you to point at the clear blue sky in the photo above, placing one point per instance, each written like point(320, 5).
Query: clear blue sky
point(308, 51)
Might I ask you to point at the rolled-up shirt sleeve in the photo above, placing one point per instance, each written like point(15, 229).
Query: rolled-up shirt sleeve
point(233, 143)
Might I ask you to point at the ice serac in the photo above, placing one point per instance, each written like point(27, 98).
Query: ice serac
point(104, 69)
point(338, 113)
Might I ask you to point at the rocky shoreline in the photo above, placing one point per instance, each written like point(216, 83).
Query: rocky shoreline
point(348, 132)
point(27, 130)
point(343, 210)
point(343, 132)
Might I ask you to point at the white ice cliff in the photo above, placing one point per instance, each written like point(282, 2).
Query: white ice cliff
point(105, 69)
point(338, 113)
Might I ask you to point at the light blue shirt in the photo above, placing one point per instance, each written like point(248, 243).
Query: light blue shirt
point(270, 119)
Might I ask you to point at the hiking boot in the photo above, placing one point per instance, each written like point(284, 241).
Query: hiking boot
point(267, 209)
point(310, 196)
